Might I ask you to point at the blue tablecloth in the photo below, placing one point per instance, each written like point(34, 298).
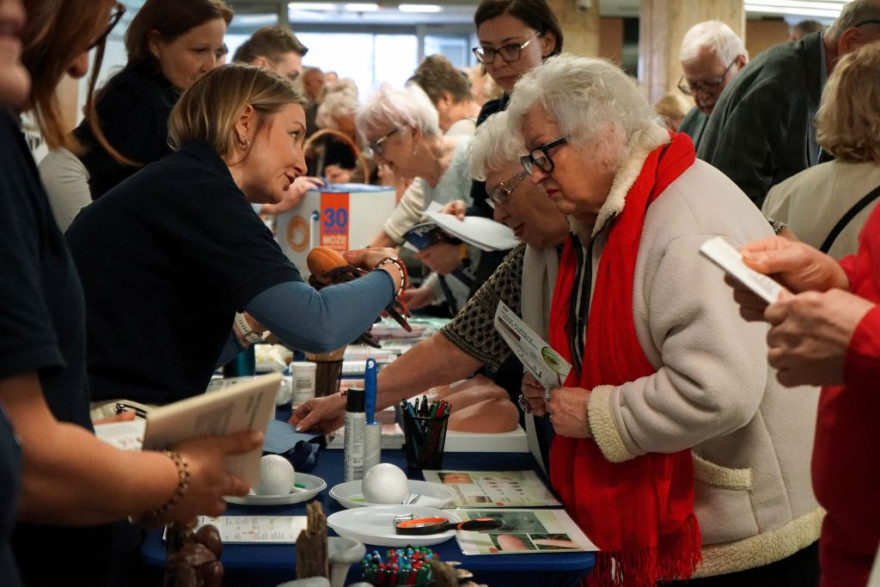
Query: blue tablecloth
point(269, 565)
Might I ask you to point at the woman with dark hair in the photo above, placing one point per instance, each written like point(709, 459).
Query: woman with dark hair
point(170, 44)
point(515, 36)
point(68, 476)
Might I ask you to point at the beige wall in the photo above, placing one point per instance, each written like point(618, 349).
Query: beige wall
point(761, 34)
point(580, 28)
point(611, 39)
point(662, 24)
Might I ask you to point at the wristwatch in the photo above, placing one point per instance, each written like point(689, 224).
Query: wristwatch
point(241, 324)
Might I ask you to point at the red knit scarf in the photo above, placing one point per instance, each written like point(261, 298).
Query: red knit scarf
point(640, 513)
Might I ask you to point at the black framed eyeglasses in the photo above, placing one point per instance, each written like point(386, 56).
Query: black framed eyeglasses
point(115, 17)
point(509, 53)
point(377, 146)
point(864, 22)
point(707, 86)
point(540, 157)
point(501, 192)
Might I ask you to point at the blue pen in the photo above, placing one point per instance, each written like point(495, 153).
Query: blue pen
point(370, 390)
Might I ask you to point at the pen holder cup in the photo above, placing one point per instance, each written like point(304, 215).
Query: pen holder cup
point(424, 440)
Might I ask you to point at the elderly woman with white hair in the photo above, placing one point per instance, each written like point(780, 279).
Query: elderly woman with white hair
point(335, 157)
point(402, 129)
point(523, 281)
point(676, 449)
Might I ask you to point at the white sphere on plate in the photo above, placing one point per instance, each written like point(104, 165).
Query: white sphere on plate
point(385, 483)
point(276, 476)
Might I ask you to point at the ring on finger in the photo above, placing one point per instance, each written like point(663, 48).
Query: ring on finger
point(524, 404)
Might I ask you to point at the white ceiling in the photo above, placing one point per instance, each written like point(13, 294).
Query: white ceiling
point(258, 12)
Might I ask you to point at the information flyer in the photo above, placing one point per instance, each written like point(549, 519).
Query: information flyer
point(494, 488)
point(524, 531)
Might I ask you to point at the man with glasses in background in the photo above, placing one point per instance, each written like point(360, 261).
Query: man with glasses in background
point(761, 129)
point(711, 55)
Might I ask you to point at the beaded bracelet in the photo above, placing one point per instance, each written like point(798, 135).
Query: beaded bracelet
point(182, 483)
point(404, 276)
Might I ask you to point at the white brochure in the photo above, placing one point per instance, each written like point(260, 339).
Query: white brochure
point(728, 258)
point(534, 353)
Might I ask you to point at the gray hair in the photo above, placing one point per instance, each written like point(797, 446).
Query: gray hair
point(595, 104)
point(494, 146)
point(852, 14)
point(340, 100)
point(715, 36)
point(406, 107)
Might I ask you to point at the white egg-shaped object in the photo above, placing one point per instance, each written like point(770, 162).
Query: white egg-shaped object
point(276, 476)
point(385, 483)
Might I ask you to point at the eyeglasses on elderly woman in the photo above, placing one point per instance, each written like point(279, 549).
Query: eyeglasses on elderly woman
point(378, 146)
point(501, 192)
point(115, 17)
point(509, 53)
point(540, 157)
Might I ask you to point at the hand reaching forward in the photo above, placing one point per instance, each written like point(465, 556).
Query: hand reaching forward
point(325, 413)
point(293, 195)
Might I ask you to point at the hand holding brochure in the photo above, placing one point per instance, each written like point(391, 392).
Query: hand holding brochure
point(534, 353)
point(248, 405)
point(728, 258)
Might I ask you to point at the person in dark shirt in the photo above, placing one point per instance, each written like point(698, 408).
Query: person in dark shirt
point(169, 44)
point(70, 478)
point(170, 255)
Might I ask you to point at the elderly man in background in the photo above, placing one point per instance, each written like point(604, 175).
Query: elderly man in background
point(275, 49)
point(761, 131)
point(711, 55)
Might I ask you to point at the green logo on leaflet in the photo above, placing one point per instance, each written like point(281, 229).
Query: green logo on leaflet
point(553, 360)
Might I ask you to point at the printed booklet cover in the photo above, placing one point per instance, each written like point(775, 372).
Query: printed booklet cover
point(524, 532)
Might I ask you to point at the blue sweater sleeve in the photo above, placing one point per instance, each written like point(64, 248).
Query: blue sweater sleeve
point(320, 321)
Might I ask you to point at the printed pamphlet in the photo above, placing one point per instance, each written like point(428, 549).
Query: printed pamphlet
point(534, 353)
point(524, 532)
point(728, 258)
point(486, 489)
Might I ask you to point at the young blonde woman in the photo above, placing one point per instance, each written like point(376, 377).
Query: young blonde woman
point(168, 257)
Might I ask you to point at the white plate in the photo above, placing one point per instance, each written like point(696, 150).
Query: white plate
point(432, 495)
point(375, 525)
point(313, 486)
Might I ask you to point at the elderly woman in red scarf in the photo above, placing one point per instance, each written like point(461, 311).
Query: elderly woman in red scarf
point(676, 449)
